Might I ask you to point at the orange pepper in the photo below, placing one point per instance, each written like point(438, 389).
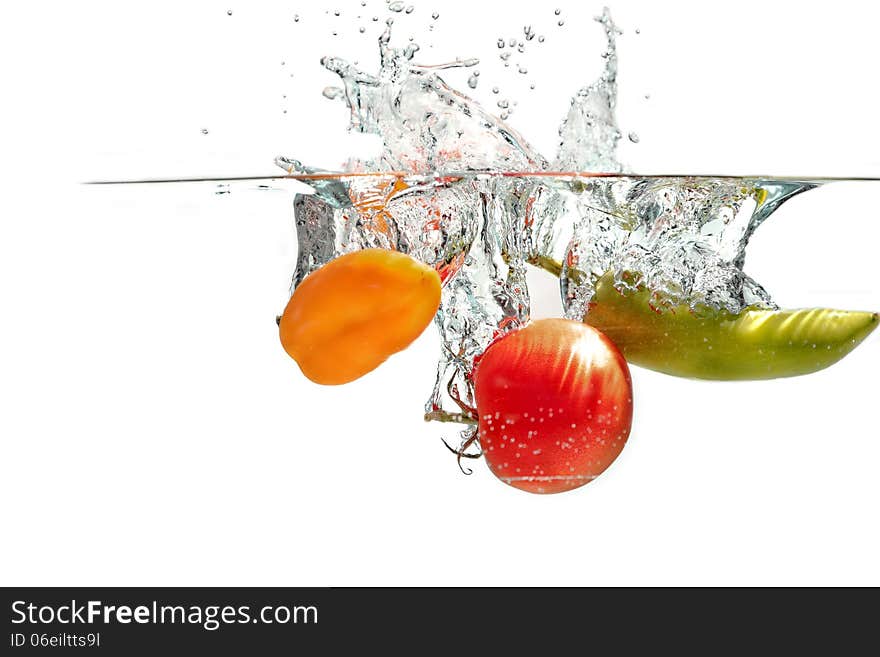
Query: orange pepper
point(349, 316)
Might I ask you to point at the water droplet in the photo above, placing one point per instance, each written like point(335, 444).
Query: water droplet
point(396, 7)
point(561, 23)
point(336, 13)
point(504, 56)
point(523, 70)
point(647, 96)
point(332, 92)
point(363, 3)
point(500, 43)
point(204, 131)
point(283, 63)
point(557, 11)
point(410, 9)
point(375, 18)
point(472, 81)
point(503, 104)
point(495, 90)
point(477, 73)
point(335, 33)
point(638, 31)
point(532, 85)
point(362, 29)
point(633, 137)
point(229, 12)
point(435, 15)
point(511, 43)
point(541, 39)
point(296, 18)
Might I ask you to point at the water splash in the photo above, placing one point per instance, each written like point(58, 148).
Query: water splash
point(438, 191)
point(589, 132)
point(426, 125)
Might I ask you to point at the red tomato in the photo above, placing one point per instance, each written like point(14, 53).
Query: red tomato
point(555, 405)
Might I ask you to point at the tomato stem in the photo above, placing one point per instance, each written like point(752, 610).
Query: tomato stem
point(443, 416)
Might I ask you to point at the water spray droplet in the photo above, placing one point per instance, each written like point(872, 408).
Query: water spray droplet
point(229, 12)
point(541, 39)
point(633, 137)
point(362, 29)
point(500, 43)
point(296, 18)
point(410, 9)
point(204, 131)
point(396, 7)
point(561, 23)
point(495, 90)
point(557, 11)
point(435, 15)
point(523, 70)
point(638, 31)
point(472, 81)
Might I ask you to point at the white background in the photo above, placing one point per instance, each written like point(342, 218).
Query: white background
point(154, 432)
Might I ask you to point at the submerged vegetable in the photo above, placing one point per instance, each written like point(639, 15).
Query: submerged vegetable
point(705, 343)
point(554, 401)
point(349, 316)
